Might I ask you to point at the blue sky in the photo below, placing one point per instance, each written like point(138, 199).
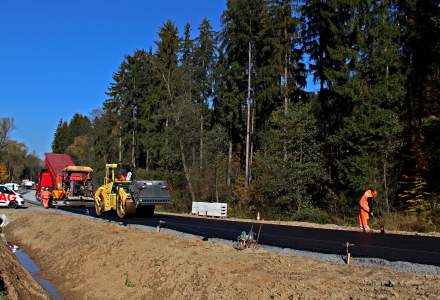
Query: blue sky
point(57, 57)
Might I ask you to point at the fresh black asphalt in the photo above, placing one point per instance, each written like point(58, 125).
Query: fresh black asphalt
point(392, 247)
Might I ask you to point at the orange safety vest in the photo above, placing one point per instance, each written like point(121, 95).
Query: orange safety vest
point(45, 195)
point(364, 208)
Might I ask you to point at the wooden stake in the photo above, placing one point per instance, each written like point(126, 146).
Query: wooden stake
point(347, 249)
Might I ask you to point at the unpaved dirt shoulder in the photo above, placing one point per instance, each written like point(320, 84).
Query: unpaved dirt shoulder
point(88, 259)
point(15, 281)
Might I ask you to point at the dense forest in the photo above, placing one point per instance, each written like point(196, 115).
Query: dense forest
point(225, 116)
point(16, 162)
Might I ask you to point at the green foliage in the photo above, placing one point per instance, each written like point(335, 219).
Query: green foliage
point(3, 172)
point(288, 181)
point(127, 283)
point(6, 125)
point(367, 143)
point(416, 194)
point(20, 164)
point(66, 132)
point(180, 112)
point(312, 215)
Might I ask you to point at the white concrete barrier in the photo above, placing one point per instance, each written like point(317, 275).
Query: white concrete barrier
point(210, 209)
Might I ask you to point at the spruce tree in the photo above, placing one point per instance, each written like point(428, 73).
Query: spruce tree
point(60, 141)
point(203, 62)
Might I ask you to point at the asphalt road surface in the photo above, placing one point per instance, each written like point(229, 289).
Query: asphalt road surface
point(393, 247)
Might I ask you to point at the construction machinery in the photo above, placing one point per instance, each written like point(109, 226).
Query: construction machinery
point(126, 196)
point(68, 184)
point(247, 240)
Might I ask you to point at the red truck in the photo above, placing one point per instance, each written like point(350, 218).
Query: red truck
point(68, 184)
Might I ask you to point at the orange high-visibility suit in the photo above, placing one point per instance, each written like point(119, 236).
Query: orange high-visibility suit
point(46, 196)
point(365, 210)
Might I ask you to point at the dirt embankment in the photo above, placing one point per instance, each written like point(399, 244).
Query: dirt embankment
point(15, 281)
point(88, 259)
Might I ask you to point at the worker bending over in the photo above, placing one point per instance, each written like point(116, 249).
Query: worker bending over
point(366, 209)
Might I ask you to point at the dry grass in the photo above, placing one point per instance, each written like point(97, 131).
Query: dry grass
point(407, 222)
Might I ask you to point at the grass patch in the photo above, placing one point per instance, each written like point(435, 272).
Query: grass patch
point(410, 222)
point(2, 289)
point(127, 282)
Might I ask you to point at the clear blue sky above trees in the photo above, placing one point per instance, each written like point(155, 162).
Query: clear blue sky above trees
point(57, 57)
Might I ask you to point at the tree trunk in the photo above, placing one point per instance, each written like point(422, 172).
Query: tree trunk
point(193, 155)
point(228, 180)
point(248, 123)
point(9, 173)
point(147, 161)
point(186, 172)
point(133, 139)
point(133, 152)
point(120, 144)
point(201, 141)
point(166, 132)
point(286, 102)
point(252, 142)
point(385, 184)
point(216, 185)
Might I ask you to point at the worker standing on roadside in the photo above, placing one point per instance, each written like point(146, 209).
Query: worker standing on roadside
point(46, 196)
point(366, 209)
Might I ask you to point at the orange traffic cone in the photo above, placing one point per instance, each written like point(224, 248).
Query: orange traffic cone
point(258, 216)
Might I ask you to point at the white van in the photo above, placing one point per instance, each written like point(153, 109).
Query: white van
point(28, 184)
point(9, 198)
point(12, 186)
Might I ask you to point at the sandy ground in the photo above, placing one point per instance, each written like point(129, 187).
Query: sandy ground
point(91, 259)
point(15, 281)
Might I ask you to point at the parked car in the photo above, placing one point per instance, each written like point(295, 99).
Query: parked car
point(10, 198)
point(28, 184)
point(12, 186)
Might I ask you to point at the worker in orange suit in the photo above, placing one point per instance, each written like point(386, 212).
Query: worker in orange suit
point(46, 196)
point(366, 209)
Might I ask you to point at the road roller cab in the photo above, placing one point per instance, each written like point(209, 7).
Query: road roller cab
point(126, 196)
point(114, 194)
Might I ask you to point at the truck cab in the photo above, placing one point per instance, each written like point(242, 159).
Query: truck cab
point(68, 184)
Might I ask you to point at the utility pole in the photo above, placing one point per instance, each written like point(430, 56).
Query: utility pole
point(120, 144)
point(133, 139)
point(120, 132)
point(248, 123)
point(286, 100)
point(134, 122)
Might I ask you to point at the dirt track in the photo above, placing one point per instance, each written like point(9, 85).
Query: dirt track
point(96, 260)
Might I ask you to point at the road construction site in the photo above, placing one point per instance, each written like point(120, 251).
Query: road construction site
point(417, 249)
point(94, 259)
point(192, 258)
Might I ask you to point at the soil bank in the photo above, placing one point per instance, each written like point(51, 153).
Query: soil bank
point(15, 281)
point(92, 259)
